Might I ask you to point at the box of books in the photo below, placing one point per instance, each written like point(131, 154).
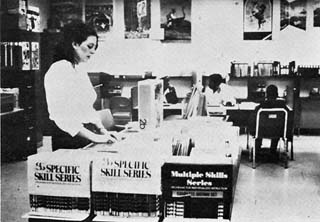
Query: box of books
point(201, 184)
point(200, 190)
point(127, 185)
point(203, 136)
point(59, 185)
point(150, 103)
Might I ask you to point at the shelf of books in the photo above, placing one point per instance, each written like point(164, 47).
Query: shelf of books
point(20, 64)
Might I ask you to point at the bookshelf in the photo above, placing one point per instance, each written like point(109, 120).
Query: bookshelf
point(20, 64)
point(298, 84)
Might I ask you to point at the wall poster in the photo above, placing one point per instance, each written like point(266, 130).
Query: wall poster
point(257, 20)
point(63, 12)
point(100, 16)
point(137, 19)
point(176, 19)
point(316, 13)
point(293, 12)
point(35, 61)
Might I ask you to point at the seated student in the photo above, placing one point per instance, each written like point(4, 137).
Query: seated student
point(169, 92)
point(271, 101)
point(218, 93)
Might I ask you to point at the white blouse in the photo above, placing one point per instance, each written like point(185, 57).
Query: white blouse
point(70, 97)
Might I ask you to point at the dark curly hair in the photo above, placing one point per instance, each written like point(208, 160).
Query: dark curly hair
point(73, 32)
point(272, 92)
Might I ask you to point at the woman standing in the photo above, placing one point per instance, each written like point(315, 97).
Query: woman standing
point(69, 92)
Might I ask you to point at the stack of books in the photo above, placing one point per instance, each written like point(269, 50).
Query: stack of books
point(126, 204)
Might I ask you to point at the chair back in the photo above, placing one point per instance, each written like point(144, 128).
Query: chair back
point(134, 96)
point(120, 104)
point(121, 109)
point(271, 123)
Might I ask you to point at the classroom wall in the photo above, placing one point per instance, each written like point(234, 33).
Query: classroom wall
point(217, 39)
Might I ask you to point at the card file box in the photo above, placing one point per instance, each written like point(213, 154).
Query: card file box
point(59, 185)
point(197, 190)
point(126, 186)
point(201, 186)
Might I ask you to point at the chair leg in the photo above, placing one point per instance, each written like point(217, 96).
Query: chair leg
point(280, 150)
point(291, 153)
point(247, 132)
point(285, 156)
point(253, 157)
point(249, 147)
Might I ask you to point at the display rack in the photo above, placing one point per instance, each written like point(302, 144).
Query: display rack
point(117, 183)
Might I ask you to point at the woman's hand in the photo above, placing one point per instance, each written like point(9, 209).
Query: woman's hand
point(104, 138)
point(104, 131)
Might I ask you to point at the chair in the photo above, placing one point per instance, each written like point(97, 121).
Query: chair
point(271, 123)
point(134, 97)
point(108, 120)
point(121, 109)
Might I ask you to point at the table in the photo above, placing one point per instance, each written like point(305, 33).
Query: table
point(168, 109)
point(13, 135)
point(238, 114)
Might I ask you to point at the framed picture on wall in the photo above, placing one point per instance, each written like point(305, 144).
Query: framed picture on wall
point(294, 13)
point(176, 20)
point(137, 19)
point(63, 12)
point(257, 19)
point(100, 15)
point(316, 13)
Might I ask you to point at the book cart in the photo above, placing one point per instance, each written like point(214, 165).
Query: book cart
point(141, 178)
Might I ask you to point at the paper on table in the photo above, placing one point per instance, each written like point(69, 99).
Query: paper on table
point(248, 105)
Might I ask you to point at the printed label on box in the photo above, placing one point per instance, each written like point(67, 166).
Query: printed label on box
point(59, 174)
point(116, 173)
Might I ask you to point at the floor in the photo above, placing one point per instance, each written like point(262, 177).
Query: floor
point(268, 193)
point(274, 194)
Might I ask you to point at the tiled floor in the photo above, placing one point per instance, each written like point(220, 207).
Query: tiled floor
point(269, 193)
point(274, 194)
